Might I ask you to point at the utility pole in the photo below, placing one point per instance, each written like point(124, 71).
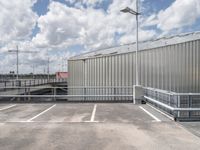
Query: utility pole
point(17, 52)
point(48, 68)
point(17, 57)
point(63, 64)
point(33, 70)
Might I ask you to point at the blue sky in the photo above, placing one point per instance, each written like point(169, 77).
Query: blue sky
point(41, 7)
point(60, 29)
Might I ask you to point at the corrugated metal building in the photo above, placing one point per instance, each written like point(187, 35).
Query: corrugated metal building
point(171, 63)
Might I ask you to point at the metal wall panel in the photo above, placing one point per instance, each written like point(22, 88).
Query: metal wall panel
point(173, 67)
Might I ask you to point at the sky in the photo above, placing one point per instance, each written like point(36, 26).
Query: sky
point(60, 29)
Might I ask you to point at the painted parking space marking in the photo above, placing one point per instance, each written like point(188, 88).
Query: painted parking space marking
point(171, 118)
point(31, 119)
point(50, 122)
point(93, 113)
point(150, 114)
point(7, 107)
point(46, 111)
point(43, 114)
point(92, 119)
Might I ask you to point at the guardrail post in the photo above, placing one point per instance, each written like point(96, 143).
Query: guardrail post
point(84, 93)
point(5, 85)
point(18, 91)
point(133, 94)
point(29, 93)
point(54, 93)
point(178, 105)
point(169, 99)
point(25, 93)
point(190, 104)
point(114, 93)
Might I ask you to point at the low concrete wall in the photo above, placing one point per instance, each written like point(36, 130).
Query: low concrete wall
point(138, 93)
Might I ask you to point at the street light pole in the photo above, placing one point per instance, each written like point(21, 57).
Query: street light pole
point(17, 52)
point(137, 48)
point(129, 10)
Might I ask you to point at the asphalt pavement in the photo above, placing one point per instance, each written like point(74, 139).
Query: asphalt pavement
point(90, 126)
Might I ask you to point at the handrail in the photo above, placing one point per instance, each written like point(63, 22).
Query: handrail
point(89, 87)
point(180, 105)
point(169, 107)
point(170, 92)
point(65, 96)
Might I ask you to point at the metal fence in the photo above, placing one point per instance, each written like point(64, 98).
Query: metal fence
point(182, 106)
point(28, 82)
point(72, 94)
point(102, 93)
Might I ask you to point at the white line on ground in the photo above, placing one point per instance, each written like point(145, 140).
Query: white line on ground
point(91, 121)
point(50, 122)
point(161, 112)
point(93, 113)
point(8, 107)
point(150, 114)
point(29, 120)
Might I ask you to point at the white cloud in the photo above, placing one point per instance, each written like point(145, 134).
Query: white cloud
point(143, 36)
point(28, 60)
point(63, 26)
point(93, 28)
point(16, 20)
point(178, 15)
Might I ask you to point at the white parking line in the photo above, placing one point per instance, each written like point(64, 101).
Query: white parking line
point(50, 122)
point(29, 120)
point(150, 114)
point(161, 112)
point(8, 107)
point(93, 113)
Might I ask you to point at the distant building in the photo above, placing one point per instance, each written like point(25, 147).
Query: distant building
point(61, 75)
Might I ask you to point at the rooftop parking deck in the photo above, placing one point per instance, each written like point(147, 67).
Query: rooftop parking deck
point(92, 126)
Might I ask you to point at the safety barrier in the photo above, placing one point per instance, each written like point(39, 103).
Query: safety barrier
point(29, 82)
point(182, 106)
point(87, 94)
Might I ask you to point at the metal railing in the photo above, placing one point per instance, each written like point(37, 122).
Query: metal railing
point(28, 82)
point(91, 93)
point(102, 93)
point(182, 106)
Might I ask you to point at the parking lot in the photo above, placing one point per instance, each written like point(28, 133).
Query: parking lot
point(90, 126)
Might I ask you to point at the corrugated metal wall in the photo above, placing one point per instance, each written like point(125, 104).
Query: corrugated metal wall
point(174, 68)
